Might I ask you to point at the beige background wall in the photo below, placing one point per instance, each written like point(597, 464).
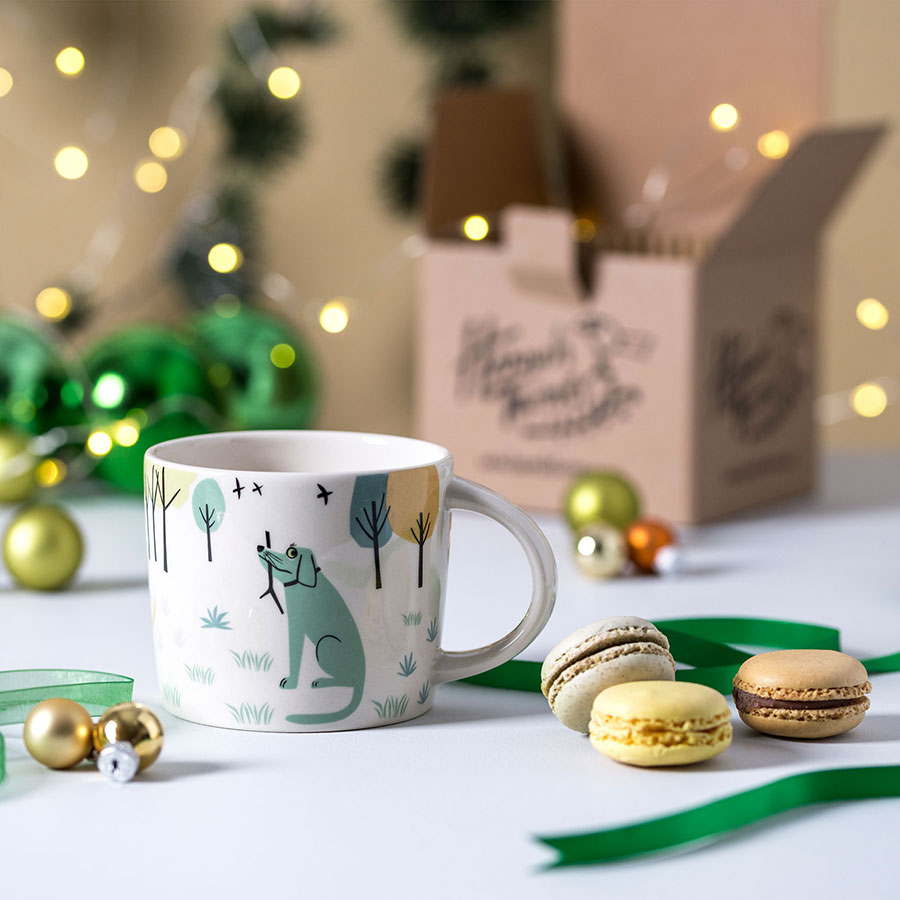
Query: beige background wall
point(325, 226)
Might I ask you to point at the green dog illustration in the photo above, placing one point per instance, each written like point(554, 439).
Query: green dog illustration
point(316, 610)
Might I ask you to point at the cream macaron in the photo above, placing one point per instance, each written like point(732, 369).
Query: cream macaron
point(605, 653)
point(660, 723)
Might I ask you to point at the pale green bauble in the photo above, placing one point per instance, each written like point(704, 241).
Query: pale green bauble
point(600, 496)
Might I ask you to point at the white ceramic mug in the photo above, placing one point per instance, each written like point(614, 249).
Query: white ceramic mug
point(297, 577)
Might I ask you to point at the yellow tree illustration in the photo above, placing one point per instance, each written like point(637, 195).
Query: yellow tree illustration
point(412, 500)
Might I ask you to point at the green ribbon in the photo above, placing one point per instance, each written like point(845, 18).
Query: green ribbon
point(721, 816)
point(706, 644)
point(21, 689)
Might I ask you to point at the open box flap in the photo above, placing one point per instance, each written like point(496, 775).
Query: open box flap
point(792, 205)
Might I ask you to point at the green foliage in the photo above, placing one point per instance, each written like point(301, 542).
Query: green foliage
point(445, 22)
point(432, 630)
point(424, 692)
point(216, 619)
point(463, 71)
point(172, 695)
point(199, 675)
point(250, 714)
point(407, 665)
point(391, 707)
point(258, 662)
point(307, 25)
point(411, 618)
point(400, 175)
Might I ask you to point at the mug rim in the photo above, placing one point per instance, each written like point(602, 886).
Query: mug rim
point(440, 454)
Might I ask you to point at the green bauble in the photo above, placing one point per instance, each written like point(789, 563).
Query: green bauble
point(37, 389)
point(601, 497)
point(264, 368)
point(146, 375)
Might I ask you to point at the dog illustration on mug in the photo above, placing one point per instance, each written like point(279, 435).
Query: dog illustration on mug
point(315, 609)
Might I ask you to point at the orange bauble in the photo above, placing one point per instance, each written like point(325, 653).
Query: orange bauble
point(644, 538)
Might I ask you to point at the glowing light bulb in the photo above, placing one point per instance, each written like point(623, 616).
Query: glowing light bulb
point(53, 303)
point(150, 176)
point(724, 117)
point(6, 82)
point(99, 443)
point(109, 390)
point(869, 400)
point(71, 162)
point(774, 144)
point(225, 258)
point(166, 142)
point(872, 313)
point(282, 356)
point(49, 472)
point(333, 317)
point(583, 230)
point(284, 82)
point(126, 433)
point(70, 61)
point(476, 228)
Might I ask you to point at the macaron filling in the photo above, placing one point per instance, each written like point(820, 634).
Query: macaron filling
point(747, 702)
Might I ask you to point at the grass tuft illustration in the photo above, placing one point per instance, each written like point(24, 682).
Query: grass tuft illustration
point(432, 630)
point(407, 665)
point(199, 675)
point(172, 695)
point(424, 691)
point(412, 618)
point(258, 662)
point(392, 707)
point(216, 619)
point(250, 714)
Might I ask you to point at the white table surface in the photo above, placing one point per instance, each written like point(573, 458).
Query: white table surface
point(447, 805)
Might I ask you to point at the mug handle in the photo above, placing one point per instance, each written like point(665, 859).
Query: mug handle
point(451, 665)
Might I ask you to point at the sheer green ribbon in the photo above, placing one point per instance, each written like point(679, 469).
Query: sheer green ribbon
point(706, 644)
point(721, 816)
point(21, 689)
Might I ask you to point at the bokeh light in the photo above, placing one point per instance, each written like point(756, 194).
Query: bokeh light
point(150, 176)
point(219, 374)
point(774, 144)
point(126, 433)
point(49, 472)
point(71, 162)
point(225, 258)
point(282, 356)
point(6, 81)
point(476, 228)
point(724, 117)
point(227, 306)
point(99, 443)
point(284, 82)
point(869, 400)
point(109, 390)
point(586, 545)
point(583, 230)
point(70, 61)
point(333, 317)
point(53, 303)
point(166, 142)
point(872, 313)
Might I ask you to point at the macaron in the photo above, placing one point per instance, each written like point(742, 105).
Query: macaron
point(608, 652)
point(660, 723)
point(802, 693)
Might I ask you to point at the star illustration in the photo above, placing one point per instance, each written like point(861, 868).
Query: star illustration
point(238, 488)
point(323, 494)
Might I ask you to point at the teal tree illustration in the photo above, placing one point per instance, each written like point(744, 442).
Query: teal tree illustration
point(369, 516)
point(209, 509)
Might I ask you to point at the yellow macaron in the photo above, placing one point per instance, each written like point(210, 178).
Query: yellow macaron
point(660, 723)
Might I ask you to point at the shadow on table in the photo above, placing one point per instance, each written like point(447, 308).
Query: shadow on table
point(456, 704)
point(872, 730)
point(169, 770)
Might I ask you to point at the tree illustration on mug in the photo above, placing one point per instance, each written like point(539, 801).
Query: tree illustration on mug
point(157, 493)
point(412, 498)
point(369, 515)
point(209, 509)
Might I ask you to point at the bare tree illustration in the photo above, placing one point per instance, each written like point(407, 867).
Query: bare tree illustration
point(161, 498)
point(209, 509)
point(412, 495)
point(150, 507)
point(368, 516)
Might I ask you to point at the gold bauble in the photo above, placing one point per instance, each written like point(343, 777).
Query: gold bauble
point(42, 547)
point(601, 497)
point(59, 733)
point(16, 467)
point(134, 723)
point(600, 550)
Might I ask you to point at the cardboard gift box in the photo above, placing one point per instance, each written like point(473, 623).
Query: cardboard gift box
point(683, 352)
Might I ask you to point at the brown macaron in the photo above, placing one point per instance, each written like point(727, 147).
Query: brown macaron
point(802, 693)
